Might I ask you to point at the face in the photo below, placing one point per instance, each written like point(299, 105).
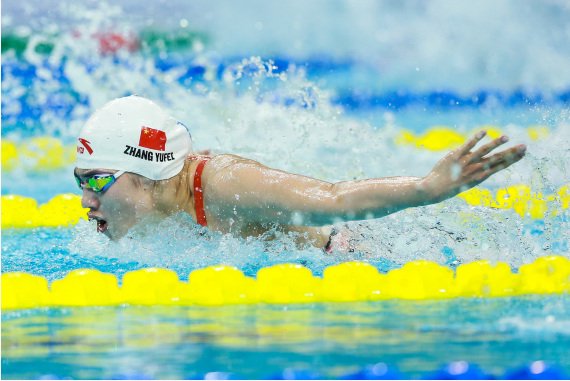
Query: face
point(117, 208)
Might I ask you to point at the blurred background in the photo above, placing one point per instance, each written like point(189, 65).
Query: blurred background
point(412, 44)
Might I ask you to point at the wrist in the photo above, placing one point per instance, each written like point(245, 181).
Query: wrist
point(430, 190)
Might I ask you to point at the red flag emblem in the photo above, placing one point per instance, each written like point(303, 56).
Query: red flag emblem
point(86, 144)
point(153, 139)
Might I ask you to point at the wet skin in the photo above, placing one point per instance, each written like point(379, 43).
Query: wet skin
point(245, 198)
point(120, 207)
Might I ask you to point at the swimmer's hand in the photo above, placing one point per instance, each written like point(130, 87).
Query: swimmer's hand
point(462, 169)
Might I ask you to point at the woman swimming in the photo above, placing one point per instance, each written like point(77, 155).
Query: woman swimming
point(136, 161)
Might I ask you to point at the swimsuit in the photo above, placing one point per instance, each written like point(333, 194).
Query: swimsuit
point(339, 241)
point(199, 193)
point(348, 238)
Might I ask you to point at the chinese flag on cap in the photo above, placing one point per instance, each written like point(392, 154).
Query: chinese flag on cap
point(153, 139)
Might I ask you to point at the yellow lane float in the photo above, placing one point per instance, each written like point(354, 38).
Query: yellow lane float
point(521, 199)
point(21, 290)
point(421, 280)
point(220, 285)
point(482, 278)
point(437, 138)
point(9, 155)
point(352, 281)
point(152, 286)
point(85, 287)
point(23, 212)
point(443, 138)
point(288, 283)
point(42, 153)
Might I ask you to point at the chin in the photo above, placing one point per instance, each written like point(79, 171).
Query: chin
point(112, 234)
point(115, 235)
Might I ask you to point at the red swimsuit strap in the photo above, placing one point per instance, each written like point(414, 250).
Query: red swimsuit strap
point(199, 193)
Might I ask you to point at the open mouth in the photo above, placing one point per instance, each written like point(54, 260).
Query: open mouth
point(101, 226)
point(101, 223)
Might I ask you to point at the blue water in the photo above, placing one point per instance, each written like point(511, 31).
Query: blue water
point(259, 341)
point(320, 96)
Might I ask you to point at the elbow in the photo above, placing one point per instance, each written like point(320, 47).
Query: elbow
point(339, 206)
point(334, 200)
point(346, 205)
point(326, 206)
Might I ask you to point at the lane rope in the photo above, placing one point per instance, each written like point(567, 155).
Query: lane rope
point(287, 283)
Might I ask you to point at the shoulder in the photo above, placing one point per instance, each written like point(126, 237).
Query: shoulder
point(217, 166)
point(229, 173)
point(223, 163)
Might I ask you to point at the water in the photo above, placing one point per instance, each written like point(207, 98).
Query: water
point(302, 94)
point(257, 342)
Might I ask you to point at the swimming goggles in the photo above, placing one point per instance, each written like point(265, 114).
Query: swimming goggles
point(98, 183)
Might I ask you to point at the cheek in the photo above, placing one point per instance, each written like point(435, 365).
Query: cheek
point(141, 208)
point(119, 210)
point(127, 201)
point(131, 202)
point(119, 199)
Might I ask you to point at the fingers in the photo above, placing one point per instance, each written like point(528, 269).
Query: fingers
point(511, 155)
point(498, 162)
point(477, 155)
point(471, 143)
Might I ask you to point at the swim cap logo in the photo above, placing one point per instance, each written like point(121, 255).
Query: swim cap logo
point(153, 139)
point(86, 146)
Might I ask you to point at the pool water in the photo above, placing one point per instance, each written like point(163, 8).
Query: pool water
point(260, 341)
point(304, 97)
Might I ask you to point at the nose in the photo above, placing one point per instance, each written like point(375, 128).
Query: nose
point(89, 199)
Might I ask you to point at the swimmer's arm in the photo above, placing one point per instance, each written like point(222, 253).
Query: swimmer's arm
point(245, 189)
point(249, 191)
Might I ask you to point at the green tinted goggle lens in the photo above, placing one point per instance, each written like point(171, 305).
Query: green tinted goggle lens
point(98, 183)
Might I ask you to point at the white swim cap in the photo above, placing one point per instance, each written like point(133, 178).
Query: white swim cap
point(136, 135)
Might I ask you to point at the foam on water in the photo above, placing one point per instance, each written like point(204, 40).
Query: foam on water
point(449, 234)
point(286, 121)
point(188, 247)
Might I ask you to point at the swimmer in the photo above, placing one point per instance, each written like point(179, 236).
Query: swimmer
point(135, 161)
